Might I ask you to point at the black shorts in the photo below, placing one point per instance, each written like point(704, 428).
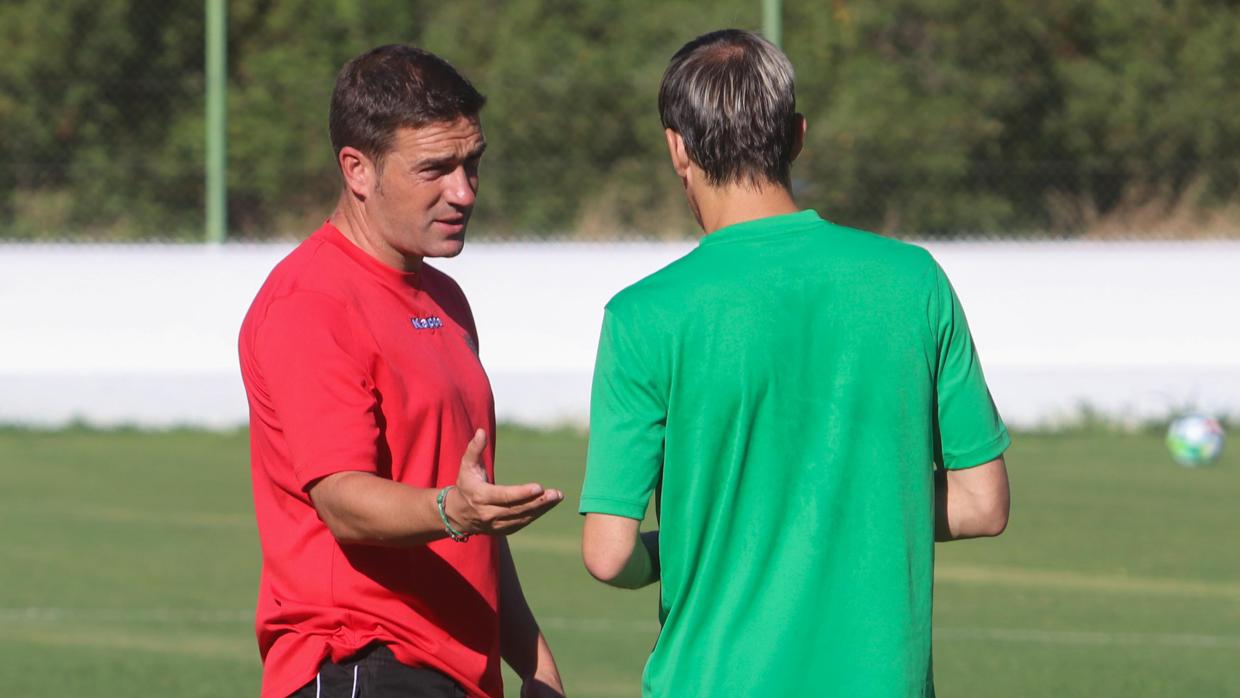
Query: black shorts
point(375, 673)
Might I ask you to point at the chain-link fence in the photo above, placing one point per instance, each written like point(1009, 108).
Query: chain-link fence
point(1070, 119)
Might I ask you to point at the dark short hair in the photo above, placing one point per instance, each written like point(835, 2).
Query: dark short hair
point(392, 87)
point(730, 95)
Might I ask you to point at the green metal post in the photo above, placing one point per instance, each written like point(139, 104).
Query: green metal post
point(773, 21)
point(217, 120)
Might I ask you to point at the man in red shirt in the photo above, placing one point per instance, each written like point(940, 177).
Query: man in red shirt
point(385, 567)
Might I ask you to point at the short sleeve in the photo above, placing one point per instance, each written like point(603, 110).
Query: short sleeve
point(628, 415)
point(969, 431)
point(312, 356)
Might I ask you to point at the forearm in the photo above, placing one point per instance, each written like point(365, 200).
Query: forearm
point(522, 643)
point(971, 503)
point(361, 508)
point(642, 567)
point(617, 553)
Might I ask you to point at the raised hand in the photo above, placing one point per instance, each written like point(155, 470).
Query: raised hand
point(477, 506)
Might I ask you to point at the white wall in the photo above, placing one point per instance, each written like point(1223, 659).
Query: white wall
point(147, 334)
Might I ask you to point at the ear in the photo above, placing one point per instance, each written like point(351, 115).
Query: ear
point(676, 149)
point(360, 175)
point(798, 135)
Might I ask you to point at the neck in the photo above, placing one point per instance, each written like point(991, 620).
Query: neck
point(738, 203)
point(351, 219)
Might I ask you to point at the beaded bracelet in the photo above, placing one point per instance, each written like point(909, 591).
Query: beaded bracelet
point(458, 536)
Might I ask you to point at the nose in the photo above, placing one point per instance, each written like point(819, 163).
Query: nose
point(461, 189)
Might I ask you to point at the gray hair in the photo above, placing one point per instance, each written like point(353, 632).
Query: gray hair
point(730, 95)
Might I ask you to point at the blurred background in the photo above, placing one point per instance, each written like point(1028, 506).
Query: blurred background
point(1074, 166)
point(1112, 119)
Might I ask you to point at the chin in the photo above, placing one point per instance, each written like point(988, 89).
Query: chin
point(449, 248)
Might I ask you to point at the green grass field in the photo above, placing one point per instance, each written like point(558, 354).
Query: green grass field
point(129, 567)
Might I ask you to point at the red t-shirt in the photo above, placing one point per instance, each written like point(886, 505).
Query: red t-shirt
point(352, 365)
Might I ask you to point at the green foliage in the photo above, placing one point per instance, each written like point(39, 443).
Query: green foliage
point(91, 96)
point(926, 116)
point(946, 116)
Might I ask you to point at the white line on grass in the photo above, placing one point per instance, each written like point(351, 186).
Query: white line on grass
point(611, 625)
point(128, 615)
point(599, 625)
point(985, 575)
point(117, 515)
point(1031, 578)
point(1019, 635)
point(1088, 637)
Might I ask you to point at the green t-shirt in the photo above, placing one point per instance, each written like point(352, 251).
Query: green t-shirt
point(787, 388)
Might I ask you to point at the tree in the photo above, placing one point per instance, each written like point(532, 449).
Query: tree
point(940, 117)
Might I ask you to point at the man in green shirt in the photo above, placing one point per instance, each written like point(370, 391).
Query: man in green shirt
point(804, 402)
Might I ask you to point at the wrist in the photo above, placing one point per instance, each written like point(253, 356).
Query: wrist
point(452, 524)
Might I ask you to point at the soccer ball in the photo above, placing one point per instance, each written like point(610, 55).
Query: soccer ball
point(1195, 440)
